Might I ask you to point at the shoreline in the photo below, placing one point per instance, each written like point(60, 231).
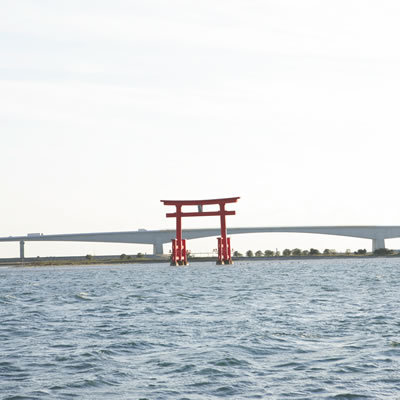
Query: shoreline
point(81, 261)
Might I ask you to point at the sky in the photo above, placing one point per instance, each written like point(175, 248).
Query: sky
point(108, 107)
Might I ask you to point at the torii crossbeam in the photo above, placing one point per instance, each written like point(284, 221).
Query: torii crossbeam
point(179, 254)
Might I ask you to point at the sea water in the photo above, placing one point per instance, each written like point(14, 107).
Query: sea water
point(312, 329)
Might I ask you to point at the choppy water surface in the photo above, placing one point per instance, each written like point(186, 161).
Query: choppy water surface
point(322, 329)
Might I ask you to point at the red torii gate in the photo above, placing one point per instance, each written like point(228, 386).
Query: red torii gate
point(179, 255)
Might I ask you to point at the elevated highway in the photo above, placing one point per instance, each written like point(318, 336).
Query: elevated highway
point(157, 238)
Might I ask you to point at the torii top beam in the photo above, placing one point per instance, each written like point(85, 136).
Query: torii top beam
point(180, 203)
point(199, 202)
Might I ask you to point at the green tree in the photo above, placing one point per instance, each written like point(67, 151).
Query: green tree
point(296, 252)
point(139, 255)
point(122, 256)
point(287, 252)
point(327, 252)
point(305, 253)
point(268, 253)
point(277, 253)
point(383, 252)
point(361, 252)
point(88, 257)
point(237, 254)
point(314, 252)
point(259, 253)
point(249, 253)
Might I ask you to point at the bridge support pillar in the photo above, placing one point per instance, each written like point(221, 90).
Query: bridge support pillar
point(378, 243)
point(22, 250)
point(158, 248)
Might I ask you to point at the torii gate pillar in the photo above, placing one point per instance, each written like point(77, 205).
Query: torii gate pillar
point(179, 254)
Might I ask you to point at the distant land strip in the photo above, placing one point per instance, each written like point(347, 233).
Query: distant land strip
point(97, 260)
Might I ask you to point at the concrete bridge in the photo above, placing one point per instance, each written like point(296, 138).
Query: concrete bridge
point(157, 238)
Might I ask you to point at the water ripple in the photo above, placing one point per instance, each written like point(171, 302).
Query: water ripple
point(322, 329)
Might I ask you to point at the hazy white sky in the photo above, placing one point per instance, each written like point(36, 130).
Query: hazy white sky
point(108, 107)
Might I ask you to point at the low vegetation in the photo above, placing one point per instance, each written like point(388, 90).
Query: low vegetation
point(315, 252)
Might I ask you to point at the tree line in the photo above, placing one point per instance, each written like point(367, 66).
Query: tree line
point(312, 252)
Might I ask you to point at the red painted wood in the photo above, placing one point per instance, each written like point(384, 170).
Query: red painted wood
point(199, 202)
point(179, 253)
point(202, 214)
